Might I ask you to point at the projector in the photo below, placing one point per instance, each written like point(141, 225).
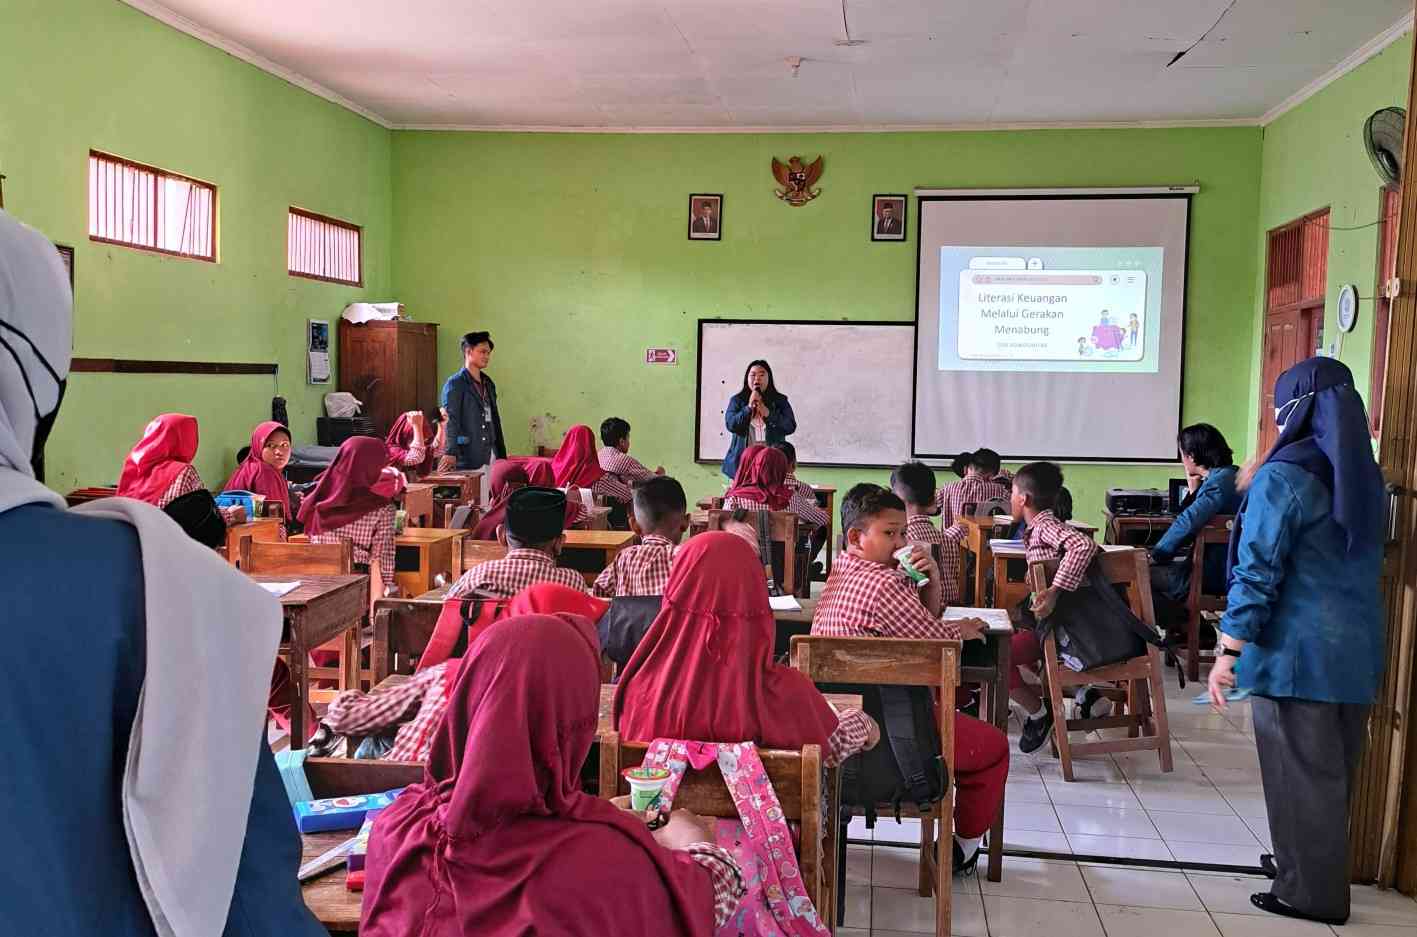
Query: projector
point(1136, 501)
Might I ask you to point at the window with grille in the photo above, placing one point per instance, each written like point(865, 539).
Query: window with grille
point(324, 248)
point(150, 209)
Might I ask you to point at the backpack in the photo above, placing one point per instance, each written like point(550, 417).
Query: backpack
point(624, 625)
point(1093, 624)
point(462, 619)
point(907, 766)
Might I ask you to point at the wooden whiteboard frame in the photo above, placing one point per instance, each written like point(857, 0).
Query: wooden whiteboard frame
point(699, 379)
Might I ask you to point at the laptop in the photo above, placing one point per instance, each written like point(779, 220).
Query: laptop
point(1177, 491)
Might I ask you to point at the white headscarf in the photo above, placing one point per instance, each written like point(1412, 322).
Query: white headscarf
point(212, 634)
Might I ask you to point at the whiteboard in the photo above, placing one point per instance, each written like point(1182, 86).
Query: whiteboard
point(849, 385)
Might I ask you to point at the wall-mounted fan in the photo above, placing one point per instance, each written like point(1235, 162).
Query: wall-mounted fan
point(1382, 135)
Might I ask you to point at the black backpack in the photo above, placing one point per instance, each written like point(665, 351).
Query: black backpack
point(624, 624)
point(1093, 624)
point(906, 767)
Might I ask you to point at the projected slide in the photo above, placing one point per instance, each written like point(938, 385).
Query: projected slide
point(1054, 309)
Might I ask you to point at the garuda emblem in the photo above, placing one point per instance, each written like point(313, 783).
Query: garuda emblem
point(797, 180)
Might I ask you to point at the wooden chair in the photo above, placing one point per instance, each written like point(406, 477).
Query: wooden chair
point(469, 553)
point(1213, 536)
point(261, 530)
point(796, 778)
point(930, 663)
point(418, 504)
point(1140, 678)
point(783, 531)
point(259, 558)
point(402, 628)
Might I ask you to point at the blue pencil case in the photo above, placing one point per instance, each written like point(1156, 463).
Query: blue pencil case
point(340, 813)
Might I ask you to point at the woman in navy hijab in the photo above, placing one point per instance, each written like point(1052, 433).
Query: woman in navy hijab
point(1303, 629)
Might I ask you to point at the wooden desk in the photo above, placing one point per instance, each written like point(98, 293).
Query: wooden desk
point(1135, 530)
point(422, 553)
point(418, 504)
point(698, 522)
point(979, 528)
point(468, 553)
point(261, 530)
point(826, 497)
point(84, 495)
point(452, 490)
point(590, 551)
point(320, 608)
point(599, 518)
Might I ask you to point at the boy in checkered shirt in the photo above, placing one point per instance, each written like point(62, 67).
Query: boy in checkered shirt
point(978, 485)
point(533, 535)
point(614, 455)
point(914, 483)
point(660, 518)
point(1036, 491)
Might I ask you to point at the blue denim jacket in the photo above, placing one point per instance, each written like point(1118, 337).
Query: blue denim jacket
point(1310, 610)
point(1216, 495)
point(780, 421)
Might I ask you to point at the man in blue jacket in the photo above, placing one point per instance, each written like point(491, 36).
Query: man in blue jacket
point(474, 426)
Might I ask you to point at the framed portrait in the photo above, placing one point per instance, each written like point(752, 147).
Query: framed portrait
point(705, 217)
point(888, 217)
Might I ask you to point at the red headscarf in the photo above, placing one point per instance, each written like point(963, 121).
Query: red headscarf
point(498, 839)
point(577, 462)
point(506, 476)
point(168, 446)
point(400, 440)
point(704, 670)
point(344, 492)
point(540, 472)
point(762, 476)
point(256, 476)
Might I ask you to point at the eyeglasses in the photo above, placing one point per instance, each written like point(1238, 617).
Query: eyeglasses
point(277, 447)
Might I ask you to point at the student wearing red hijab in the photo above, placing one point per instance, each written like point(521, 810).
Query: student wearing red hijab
point(357, 713)
point(263, 470)
point(352, 500)
point(713, 640)
point(159, 469)
point(410, 449)
point(508, 475)
point(498, 839)
point(577, 463)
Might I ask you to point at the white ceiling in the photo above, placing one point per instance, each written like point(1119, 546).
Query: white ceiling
point(722, 63)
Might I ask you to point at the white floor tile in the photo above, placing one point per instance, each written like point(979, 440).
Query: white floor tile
point(1216, 854)
point(1228, 894)
point(1120, 847)
point(858, 865)
point(1202, 828)
point(890, 830)
point(902, 909)
point(1247, 805)
point(1189, 796)
point(1373, 906)
point(1270, 925)
point(1155, 922)
point(1028, 792)
point(1260, 827)
point(1212, 755)
point(858, 905)
point(1038, 818)
point(852, 932)
point(1140, 888)
point(1038, 878)
point(1097, 768)
point(1236, 780)
point(1374, 930)
point(1089, 794)
point(1030, 917)
point(1107, 821)
point(856, 829)
point(900, 868)
point(1041, 842)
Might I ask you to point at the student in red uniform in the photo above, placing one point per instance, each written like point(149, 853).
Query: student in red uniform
point(867, 595)
point(355, 712)
point(615, 455)
point(159, 470)
point(660, 518)
point(761, 481)
point(914, 484)
point(498, 839)
point(353, 500)
point(1037, 487)
point(411, 450)
point(533, 533)
point(976, 487)
point(541, 475)
point(576, 465)
point(262, 472)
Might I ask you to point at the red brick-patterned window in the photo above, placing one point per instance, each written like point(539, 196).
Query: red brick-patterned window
point(324, 248)
point(151, 209)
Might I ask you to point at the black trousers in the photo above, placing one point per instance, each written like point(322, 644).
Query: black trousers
point(1309, 752)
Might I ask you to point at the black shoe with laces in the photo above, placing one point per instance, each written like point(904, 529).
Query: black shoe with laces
point(965, 865)
point(1036, 731)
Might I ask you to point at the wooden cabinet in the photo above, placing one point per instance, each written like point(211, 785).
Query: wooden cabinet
point(391, 366)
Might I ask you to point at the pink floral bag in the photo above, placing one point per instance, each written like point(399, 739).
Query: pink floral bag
point(777, 903)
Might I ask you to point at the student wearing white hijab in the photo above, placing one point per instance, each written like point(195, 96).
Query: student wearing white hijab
point(141, 798)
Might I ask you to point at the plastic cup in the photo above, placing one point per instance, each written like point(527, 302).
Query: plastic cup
point(400, 520)
point(903, 557)
point(645, 785)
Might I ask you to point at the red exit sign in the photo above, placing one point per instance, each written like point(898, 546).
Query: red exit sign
point(661, 356)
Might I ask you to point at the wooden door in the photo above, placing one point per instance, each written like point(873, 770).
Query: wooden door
point(1295, 279)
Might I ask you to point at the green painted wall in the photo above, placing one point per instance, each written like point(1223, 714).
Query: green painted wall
point(95, 73)
point(1313, 157)
point(571, 249)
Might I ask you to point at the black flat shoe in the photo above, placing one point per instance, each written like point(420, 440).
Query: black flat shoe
point(1267, 866)
point(1268, 902)
point(1036, 732)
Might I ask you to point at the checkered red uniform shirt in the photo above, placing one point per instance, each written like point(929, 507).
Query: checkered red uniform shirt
point(639, 570)
point(971, 489)
point(510, 575)
point(357, 713)
point(372, 537)
point(864, 599)
point(186, 482)
point(727, 878)
point(1048, 538)
point(413, 456)
point(919, 529)
point(852, 730)
point(612, 489)
point(623, 465)
point(804, 503)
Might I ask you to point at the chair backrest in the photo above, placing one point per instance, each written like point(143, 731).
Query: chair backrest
point(782, 528)
point(796, 779)
point(308, 559)
point(475, 553)
point(261, 530)
point(1127, 568)
point(1214, 535)
point(402, 628)
point(337, 777)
